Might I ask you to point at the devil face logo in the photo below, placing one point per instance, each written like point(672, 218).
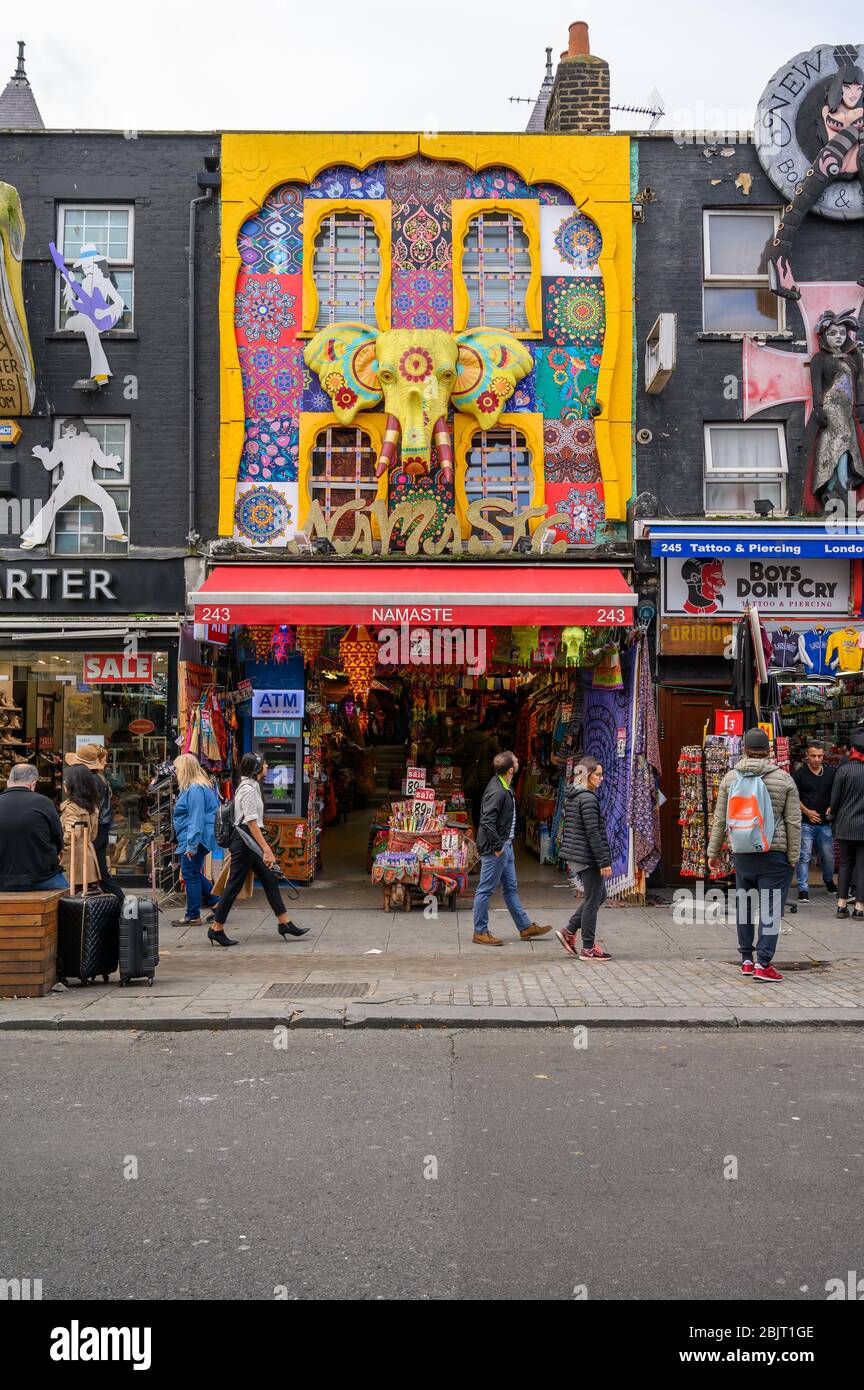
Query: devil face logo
point(704, 580)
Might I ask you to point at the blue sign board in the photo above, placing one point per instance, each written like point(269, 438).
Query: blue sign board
point(779, 540)
point(279, 728)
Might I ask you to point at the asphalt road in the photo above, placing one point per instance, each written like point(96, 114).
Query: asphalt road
point(301, 1172)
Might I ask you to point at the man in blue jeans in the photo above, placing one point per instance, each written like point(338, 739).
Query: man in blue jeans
point(814, 782)
point(495, 835)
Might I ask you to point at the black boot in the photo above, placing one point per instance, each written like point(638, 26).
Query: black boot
point(289, 929)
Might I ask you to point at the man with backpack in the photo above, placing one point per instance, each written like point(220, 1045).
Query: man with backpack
point(759, 807)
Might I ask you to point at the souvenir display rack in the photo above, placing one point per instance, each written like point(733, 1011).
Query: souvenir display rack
point(691, 812)
point(808, 710)
point(425, 855)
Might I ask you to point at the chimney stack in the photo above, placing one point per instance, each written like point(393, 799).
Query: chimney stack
point(579, 104)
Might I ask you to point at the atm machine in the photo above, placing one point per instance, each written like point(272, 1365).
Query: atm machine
point(277, 736)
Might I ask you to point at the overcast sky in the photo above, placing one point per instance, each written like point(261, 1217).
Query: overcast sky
point(376, 65)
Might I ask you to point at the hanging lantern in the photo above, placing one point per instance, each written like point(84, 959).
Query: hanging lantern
point(309, 641)
point(260, 636)
point(525, 644)
point(547, 644)
point(358, 652)
point(282, 642)
point(573, 641)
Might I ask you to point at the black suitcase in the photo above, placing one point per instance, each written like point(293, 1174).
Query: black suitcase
point(139, 940)
point(87, 926)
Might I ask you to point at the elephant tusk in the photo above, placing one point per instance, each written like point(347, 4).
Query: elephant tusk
point(444, 444)
point(392, 432)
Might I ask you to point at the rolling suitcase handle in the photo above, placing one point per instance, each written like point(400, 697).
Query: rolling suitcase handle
point(85, 857)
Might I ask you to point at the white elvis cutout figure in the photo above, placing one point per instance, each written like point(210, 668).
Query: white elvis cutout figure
point(91, 319)
point(79, 453)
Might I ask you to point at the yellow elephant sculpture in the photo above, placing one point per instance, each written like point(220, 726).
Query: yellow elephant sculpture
point(18, 387)
point(418, 373)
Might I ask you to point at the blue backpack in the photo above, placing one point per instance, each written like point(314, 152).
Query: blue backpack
point(749, 815)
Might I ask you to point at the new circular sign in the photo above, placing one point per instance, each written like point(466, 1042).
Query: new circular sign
point(141, 726)
point(811, 101)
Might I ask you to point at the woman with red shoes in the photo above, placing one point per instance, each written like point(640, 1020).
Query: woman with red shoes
point(585, 846)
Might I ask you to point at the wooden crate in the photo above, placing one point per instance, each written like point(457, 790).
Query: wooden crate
point(28, 944)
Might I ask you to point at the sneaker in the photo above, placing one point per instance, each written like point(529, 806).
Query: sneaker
point(842, 911)
point(532, 929)
point(594, 953)
point(747, 967)
point(831, 888)
point(568, 941)
point(485, 938)
point(803, 897)
point(767, 972)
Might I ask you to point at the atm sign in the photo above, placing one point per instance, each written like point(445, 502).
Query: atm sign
point(285, 703)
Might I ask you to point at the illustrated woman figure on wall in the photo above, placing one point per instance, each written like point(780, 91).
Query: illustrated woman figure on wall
point(835, 437)
point(841, 157)
point(79, 453)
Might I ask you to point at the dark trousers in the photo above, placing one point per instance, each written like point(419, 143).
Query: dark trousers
point(585, 916)
point(851, 869)
point(100, 847)
point(242, 860)
point(761, 884)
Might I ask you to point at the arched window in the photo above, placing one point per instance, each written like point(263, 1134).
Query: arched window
point(496, 265)
point(498, 464)
point(346, 268)
point(343, 470)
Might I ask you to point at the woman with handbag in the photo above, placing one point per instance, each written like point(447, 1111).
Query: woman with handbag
point(250, 855)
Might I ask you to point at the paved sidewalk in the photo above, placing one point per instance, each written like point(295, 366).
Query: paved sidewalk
point(362, 966)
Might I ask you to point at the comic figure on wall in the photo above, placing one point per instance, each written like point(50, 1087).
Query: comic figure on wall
point(94, 304)
point(837, 378)
point(78, 453)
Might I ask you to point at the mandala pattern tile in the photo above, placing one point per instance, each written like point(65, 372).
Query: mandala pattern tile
point(271, 240)
point(403, 488)
point(570, 451)
point(265, 513)
point(266, 309)
point(421, 300)
point(574, 312)
point(584, 507)
point(570, 243)
point(270, 451)
point(314, 398)
point(343, 181)
point(272, 380)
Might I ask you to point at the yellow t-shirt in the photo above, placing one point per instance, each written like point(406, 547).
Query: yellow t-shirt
point(843, 652)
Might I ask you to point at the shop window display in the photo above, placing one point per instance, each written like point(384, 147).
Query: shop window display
point(47, 710)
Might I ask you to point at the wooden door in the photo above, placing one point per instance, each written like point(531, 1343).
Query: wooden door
point(682, 717)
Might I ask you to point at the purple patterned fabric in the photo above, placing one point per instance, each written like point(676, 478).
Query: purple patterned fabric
point(644, 806)
point(604, 712)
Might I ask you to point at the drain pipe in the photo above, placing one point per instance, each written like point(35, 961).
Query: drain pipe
point(210, 180)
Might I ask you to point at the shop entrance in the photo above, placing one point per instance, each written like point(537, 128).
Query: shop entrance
point(683, 716)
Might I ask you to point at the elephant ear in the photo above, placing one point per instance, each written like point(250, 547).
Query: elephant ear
point(489, 365)
point(345, 357)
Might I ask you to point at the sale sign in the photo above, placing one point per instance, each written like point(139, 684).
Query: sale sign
point(424, 794)
point(729, 721)
point(118, 668)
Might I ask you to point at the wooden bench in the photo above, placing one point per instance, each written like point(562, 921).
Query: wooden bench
point(28, 943)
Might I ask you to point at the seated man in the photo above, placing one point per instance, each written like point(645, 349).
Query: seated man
point(31, 837)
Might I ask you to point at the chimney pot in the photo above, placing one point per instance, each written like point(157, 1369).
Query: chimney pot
point(578, 39)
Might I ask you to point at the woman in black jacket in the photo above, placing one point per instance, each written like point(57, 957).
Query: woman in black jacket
point(585, 847)
point(847, 821)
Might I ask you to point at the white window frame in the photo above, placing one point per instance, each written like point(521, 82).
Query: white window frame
point(127, 264)
point(116, 481)
point(718, 475)
point(712, 281)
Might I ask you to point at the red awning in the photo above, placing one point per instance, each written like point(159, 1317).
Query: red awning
point(420, 595)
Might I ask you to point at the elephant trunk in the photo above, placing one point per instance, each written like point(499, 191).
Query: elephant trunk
point(389, 447)
point(444, 445)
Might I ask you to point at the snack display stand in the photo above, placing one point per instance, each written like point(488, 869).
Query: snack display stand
point(426, 854)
